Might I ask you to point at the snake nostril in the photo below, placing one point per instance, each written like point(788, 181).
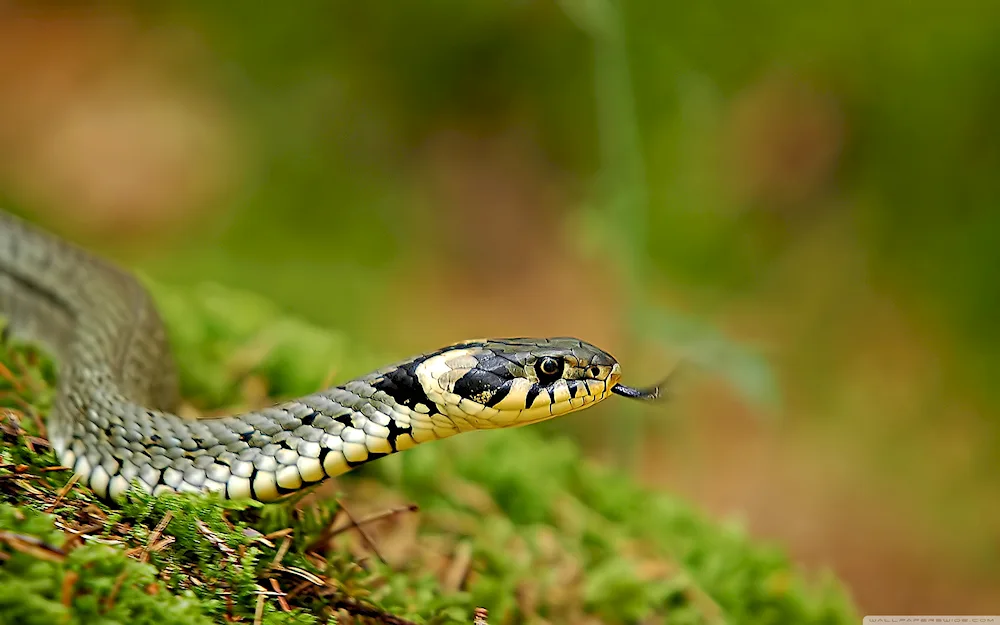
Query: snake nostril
point(595, 371)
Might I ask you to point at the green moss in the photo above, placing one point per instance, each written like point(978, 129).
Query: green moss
point(91, 584)
point(508, 520)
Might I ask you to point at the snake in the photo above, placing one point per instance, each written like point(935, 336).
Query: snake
point(112, 419)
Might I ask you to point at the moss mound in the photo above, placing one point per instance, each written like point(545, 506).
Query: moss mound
point(507, 521)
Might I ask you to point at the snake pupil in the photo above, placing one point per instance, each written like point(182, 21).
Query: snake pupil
point(548, 368)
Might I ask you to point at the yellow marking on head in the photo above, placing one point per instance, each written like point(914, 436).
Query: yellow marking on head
point(439, 375)
point(542, 400)
point(433, 372)
point(506, 418)
point(460, 359)
point(560, 391)
point(470, 407)
point(516, 397)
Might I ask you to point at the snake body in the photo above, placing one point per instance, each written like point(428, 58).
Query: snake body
point(111, 419)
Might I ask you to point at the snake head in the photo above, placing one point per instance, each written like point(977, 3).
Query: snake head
point(499, 383)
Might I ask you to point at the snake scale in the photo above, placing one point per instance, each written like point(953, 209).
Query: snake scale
point(111, 419)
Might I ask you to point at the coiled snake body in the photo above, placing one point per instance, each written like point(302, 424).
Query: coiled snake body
point(111, 422)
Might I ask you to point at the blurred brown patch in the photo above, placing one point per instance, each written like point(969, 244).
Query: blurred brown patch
point(871, 468)
point(781, 143)
point(93, 130)
point(501, 261)
point(832, 479)
point(496, 198)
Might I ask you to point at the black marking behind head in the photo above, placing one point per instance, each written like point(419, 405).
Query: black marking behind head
point(402, 385)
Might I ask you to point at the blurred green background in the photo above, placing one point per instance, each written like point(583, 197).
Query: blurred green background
point(801, 200)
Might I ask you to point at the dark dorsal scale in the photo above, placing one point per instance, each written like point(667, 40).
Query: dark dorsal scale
point(497, 363)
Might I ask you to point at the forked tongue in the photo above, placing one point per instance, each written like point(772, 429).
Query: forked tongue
point(646, 394)
point(652, 393)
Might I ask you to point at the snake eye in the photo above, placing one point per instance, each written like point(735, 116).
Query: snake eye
point(548, 368)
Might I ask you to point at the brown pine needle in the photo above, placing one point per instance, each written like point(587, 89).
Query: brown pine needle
point(327, 534)
point(6, 374)
point(458, 571)
point(258, 614)
point(62, 492)
point(282, 550)
point(281, 595)
point(69, 581)
point(110, 603)
point(155, 534)
point(279, 534)
point(31, 545)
